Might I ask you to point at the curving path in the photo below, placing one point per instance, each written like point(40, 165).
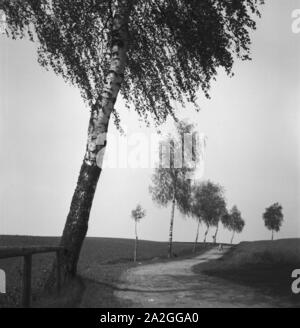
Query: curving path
point(174, 284)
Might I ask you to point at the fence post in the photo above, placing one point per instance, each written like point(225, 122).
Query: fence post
point(26, 297)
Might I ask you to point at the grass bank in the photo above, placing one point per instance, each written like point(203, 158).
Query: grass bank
point(101, 264)
point(265, 265)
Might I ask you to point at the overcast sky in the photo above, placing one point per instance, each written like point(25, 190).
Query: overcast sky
point(251, 123)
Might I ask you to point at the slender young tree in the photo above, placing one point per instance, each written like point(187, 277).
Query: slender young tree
point(195, 212)
point(168, 187)
point(216, 232)
point(197, 234)
point(222, 213)
point(154, 53)
point(171, 180)
point(227, 221)
point(273, 218)
point(233, 222)
point(208, 205)
point(137, 214)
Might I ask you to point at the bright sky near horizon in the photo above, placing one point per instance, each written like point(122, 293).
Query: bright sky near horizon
point(251, 122)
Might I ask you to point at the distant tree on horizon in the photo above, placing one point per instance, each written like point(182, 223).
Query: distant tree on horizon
point(273, 218)
point(137, 214)
point(208, 206)
point(172, 184)
point(233, 222)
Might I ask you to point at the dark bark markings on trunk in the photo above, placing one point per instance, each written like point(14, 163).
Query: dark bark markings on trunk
point(77, 221)
point(171, 228)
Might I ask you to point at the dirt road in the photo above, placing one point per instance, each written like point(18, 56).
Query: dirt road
point(174, 284)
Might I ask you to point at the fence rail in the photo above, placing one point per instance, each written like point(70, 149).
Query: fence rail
point(27, 253)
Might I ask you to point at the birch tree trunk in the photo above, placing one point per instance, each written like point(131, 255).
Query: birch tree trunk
point(77, 220)
point(232, 237)
point(197, 236)
point(216, 233)
point(272, 238)
point(171, 228)
point(205, 234)
point(135, 243)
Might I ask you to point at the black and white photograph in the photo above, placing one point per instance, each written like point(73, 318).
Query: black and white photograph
point(150, 157)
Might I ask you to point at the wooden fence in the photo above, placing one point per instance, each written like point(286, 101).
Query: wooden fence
point(27, 253)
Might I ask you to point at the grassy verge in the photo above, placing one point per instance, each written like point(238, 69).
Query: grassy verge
point(264, 265)
point(102, 262)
